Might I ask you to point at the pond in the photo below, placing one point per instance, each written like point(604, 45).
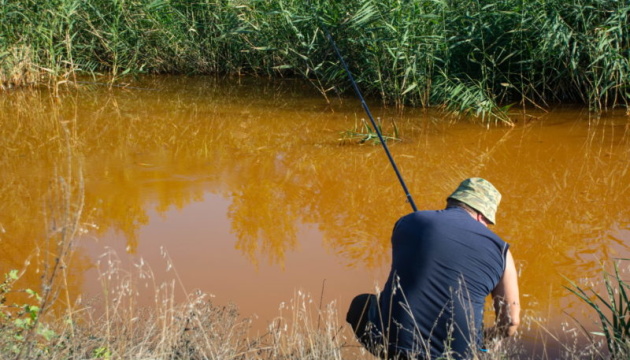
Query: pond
point(254, 191)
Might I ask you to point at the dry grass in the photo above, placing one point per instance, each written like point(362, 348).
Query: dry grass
point(115, 326)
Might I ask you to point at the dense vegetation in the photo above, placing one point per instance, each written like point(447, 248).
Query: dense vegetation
point(469, 55)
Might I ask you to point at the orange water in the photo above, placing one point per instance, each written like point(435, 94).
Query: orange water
point(248, 190)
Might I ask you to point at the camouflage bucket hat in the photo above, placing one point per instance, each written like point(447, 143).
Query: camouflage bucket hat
point(480, 195)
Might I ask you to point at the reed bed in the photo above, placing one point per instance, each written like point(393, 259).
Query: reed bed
point(470, 57)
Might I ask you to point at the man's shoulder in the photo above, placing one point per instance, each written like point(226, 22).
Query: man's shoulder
point(417, 218)
point(434, 214)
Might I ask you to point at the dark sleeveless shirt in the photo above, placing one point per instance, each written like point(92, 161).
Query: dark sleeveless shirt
point(444, 265)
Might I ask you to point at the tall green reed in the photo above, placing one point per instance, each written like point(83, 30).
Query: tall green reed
point(476, 58)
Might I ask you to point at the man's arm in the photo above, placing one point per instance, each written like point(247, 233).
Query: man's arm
point(506, 300)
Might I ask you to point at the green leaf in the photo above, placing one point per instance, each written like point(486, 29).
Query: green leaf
point(409, 88)
point(12, 275)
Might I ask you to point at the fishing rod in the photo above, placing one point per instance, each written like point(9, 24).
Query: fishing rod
point(369, 114)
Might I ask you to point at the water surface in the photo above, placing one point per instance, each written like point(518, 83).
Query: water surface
point(248, 190)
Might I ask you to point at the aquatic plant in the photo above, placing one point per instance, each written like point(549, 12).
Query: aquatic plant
point(364, 133)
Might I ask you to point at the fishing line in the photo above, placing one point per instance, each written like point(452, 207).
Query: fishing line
point(367, 111)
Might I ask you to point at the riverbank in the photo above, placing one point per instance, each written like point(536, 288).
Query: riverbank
point(470, 58)
point(197, 328)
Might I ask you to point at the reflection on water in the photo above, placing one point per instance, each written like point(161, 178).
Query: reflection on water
point(249, 189)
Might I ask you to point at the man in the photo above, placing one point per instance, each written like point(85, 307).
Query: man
point(444, 264)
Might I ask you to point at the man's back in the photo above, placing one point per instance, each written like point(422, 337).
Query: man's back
point(444, 264)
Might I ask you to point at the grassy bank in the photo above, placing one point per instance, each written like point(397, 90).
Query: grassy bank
point(116, 326)
point(468, 56)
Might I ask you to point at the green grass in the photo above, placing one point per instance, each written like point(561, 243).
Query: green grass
point(471, 57)
point(612, 309)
